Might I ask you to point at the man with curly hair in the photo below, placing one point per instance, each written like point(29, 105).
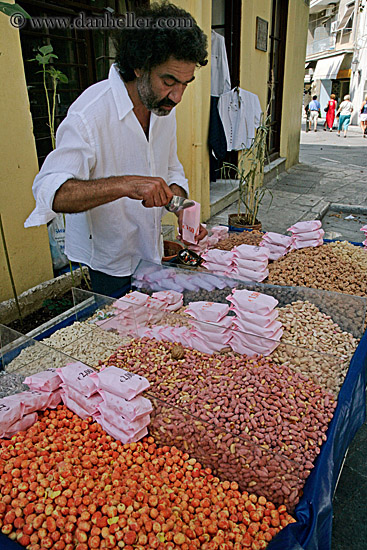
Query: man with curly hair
point(115, 165)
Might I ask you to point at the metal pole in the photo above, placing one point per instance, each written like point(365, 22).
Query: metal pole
point(10, 271)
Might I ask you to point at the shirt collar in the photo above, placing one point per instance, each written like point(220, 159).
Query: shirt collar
point(120, 94)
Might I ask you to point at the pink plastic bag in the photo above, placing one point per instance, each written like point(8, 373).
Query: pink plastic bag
point(253, 265)
point(118, 434)
point(221, 257)
point(216, 268)
point(364, 228)
point(270, 331)
point(89, 404)
point(132, 410)
point(210, 312)
point(310, 235)
point(34, 400)
point(21, 425)
point(77, 375)
point(304, 244)
point(277, 239)
point(120, 382)
point(248, 275)
point(303, 227)
point(249, 252)
point(47, 380)
point(202, 343)
point(191, 223)
point(220, 230)
point(129, 427)
point(74, 406)
point(254, 318)
point(11, 410)
point(133, 298)
point(221, 327)
point(168, 297)
point(255, 344)
point(54, 399)
point(255, 302)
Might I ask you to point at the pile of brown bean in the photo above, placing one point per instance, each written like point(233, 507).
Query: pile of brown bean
point(305, 326)
point(320, 267)
point(270, 405)
point(235, 239)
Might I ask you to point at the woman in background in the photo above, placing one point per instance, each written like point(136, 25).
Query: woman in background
point(363, 116)
point(345, 110)
point(330, 115)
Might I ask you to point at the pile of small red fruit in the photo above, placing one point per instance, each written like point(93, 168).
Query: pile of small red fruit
point(67, 485)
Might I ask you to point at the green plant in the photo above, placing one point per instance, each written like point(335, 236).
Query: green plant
point(45, 57)
point(13, 9)
point(250, 173)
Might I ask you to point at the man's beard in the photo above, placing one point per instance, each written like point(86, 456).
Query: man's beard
point(149, 98)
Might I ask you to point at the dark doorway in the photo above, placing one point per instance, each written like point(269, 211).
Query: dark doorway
point(84, 56)
point(226, 20)
point(276, 74)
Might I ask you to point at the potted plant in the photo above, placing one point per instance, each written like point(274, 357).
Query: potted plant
point(250, 176)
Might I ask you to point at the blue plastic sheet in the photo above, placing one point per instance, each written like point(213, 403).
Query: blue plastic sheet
point(314, 512)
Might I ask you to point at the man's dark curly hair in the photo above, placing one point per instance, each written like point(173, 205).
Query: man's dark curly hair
point(145, 48)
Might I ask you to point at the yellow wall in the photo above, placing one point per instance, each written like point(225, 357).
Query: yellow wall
point(193, 117)
point(28, 248)
point(295, 55)
point(254, 64)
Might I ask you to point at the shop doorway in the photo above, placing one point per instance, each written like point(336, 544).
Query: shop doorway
point(276, 74)
point(226, 21)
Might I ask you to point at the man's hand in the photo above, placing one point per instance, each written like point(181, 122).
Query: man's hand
point(150, 190)
point(202, 231)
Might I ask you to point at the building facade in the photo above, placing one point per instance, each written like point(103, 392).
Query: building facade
point(266, 45)
point(336, 60)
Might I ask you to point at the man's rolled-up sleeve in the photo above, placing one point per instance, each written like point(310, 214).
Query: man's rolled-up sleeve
point(176, 172)
point(73, 158)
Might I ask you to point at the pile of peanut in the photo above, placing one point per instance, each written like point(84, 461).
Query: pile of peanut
point(235, 239)
point(339, 267)
point(249, 403)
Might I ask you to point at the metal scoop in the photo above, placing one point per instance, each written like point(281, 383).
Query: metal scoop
point(179, 203)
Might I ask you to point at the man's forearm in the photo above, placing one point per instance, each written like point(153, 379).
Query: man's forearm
point(78, 195)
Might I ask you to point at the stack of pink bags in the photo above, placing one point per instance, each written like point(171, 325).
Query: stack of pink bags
point(364, 229)
point(215, 234)
point(306, 234)
point(122, 412)
point(78, 390)
point(255, 329)
point(277, 244)
point(250, 263)
point(171, 299)
point(205, 335)
point(18, 412)
point(218, 261)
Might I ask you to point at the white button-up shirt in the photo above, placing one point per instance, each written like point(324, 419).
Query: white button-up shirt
point(219, 75)
point(101, 137)
point(240, 113)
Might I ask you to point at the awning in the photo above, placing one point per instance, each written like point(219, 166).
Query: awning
point(306, 65)
point(328, 68)
point(347, 15)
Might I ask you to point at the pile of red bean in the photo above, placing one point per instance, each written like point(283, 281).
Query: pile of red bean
point(67, 485)
point(250, 407)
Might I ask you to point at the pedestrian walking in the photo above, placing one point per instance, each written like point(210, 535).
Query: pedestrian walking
point(363, 117)
point(314, 108)
point(330, 113)
point(345, 112)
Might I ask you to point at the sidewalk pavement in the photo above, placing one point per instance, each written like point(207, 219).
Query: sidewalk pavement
point(332, 173)
point(331, 178)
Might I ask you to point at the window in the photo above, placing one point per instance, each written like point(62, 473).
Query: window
point(346, 22)
point(83, 55)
